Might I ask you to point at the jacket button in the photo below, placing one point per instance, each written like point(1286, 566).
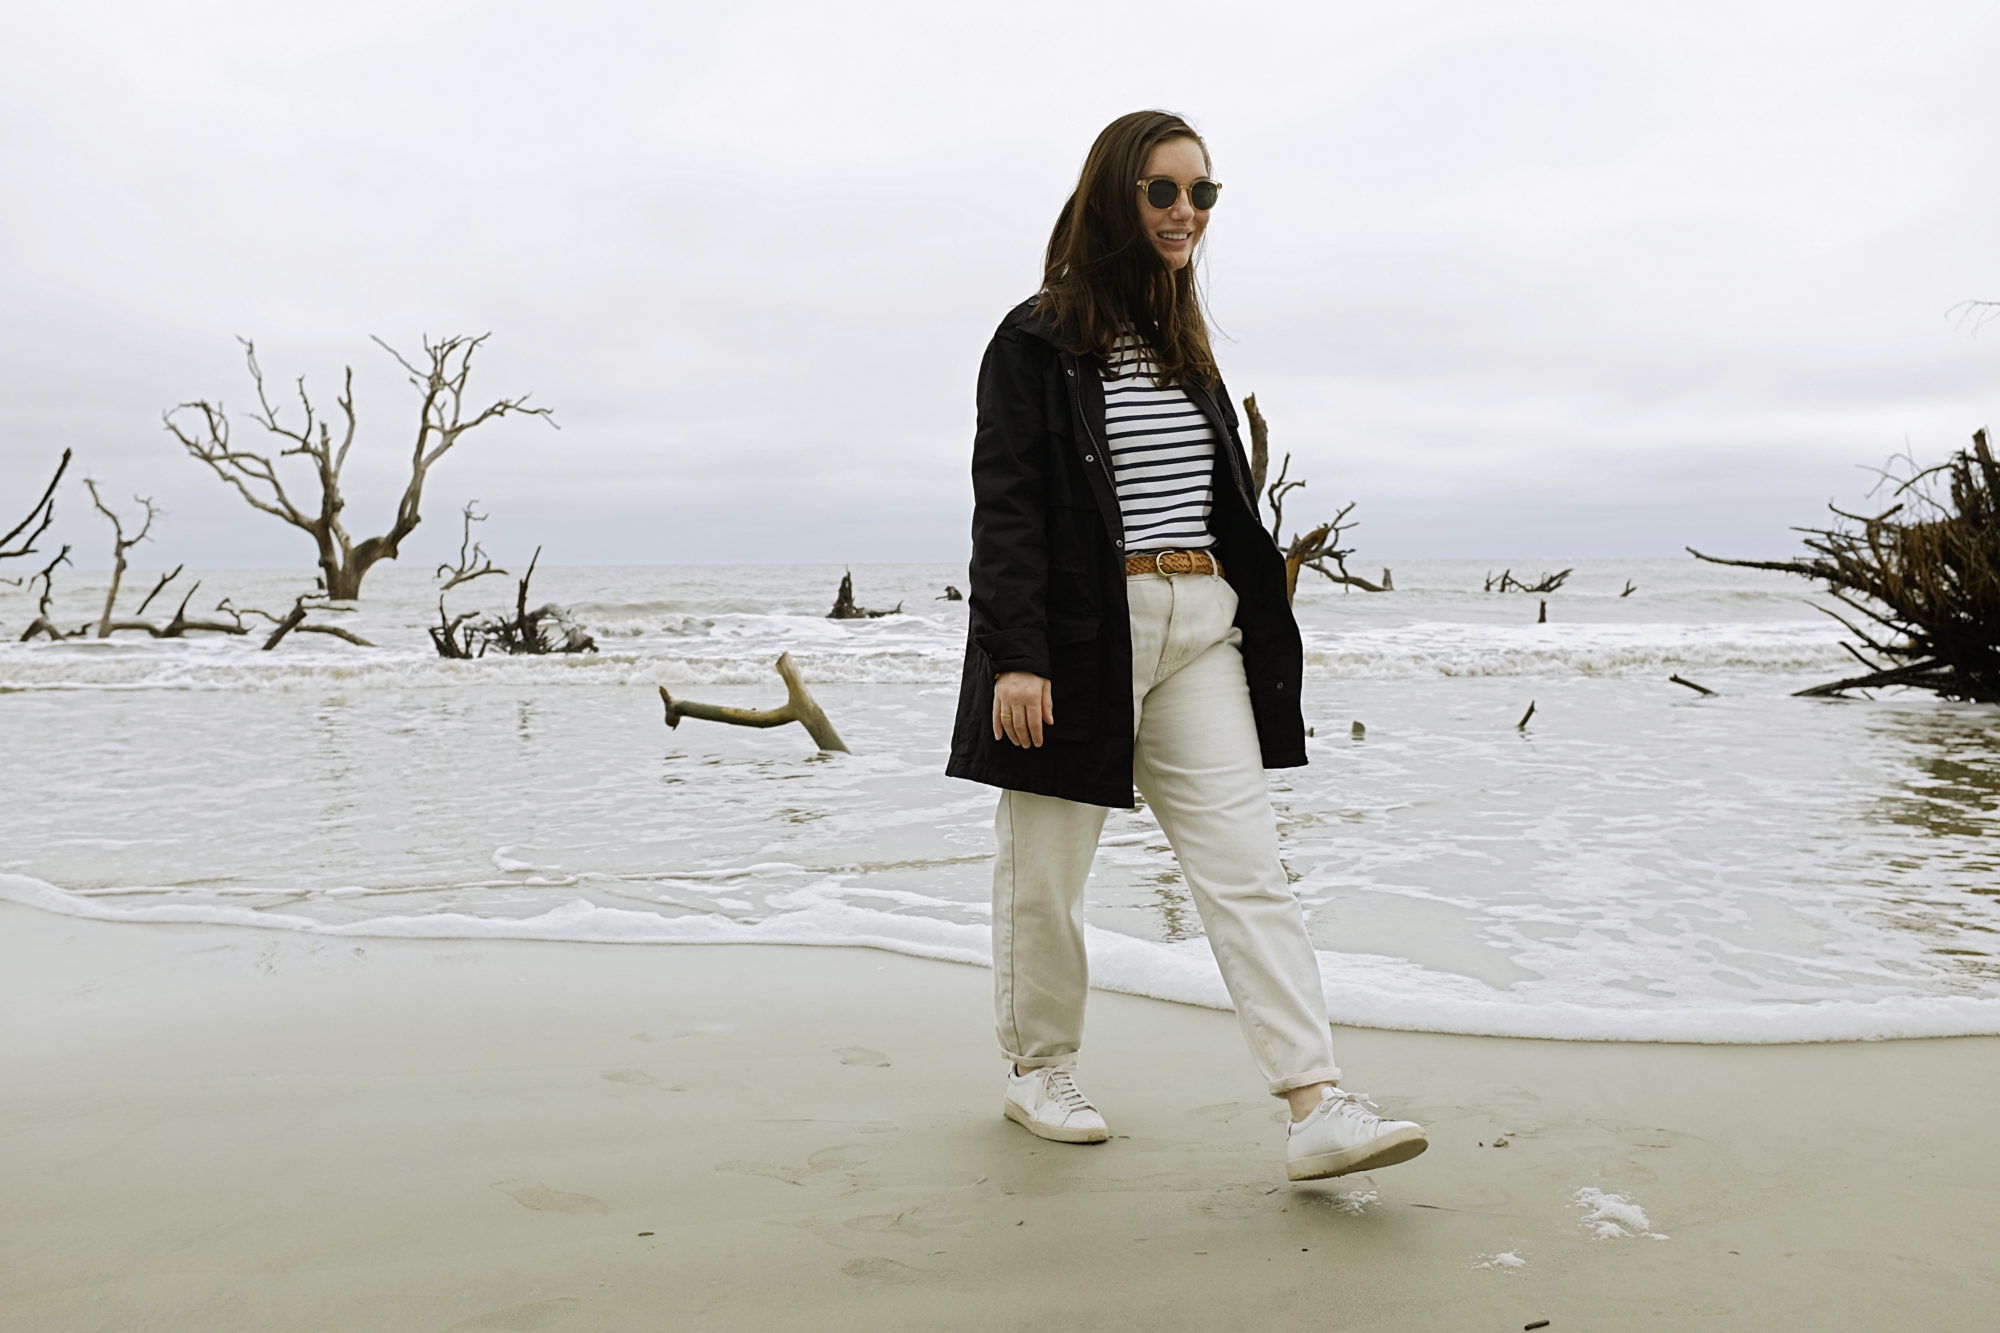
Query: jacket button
point(1072, 374)
point(1089, 458)
point(1119, 542)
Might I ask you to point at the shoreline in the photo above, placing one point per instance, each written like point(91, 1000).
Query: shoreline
point(1177, 973)
point(213, 1128)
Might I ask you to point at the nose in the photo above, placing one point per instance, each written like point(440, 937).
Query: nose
point(1183, 210)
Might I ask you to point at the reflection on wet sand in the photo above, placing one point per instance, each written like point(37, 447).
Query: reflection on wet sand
point(1946, 758)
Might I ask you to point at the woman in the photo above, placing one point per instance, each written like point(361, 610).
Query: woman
point(1129, 626)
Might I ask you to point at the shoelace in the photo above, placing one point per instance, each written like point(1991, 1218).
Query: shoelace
point(1354, 1105)
point(1061, 1087)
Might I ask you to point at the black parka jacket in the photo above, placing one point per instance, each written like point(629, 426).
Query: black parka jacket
point(1048, 577)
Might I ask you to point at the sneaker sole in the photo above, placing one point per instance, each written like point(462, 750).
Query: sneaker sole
point(1388, 1150)
point(1053, 1133)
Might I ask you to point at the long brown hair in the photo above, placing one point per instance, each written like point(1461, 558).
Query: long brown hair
point(1102, 273)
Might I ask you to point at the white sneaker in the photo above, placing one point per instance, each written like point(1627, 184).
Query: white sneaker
point(1342, 1135)
point(1046, 1101)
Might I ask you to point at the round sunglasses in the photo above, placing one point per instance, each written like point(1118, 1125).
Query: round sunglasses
point(1162, 193)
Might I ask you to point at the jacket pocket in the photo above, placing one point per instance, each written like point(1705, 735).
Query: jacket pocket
point(1076, 676)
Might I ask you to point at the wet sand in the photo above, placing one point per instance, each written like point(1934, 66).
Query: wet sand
point(206, 1128)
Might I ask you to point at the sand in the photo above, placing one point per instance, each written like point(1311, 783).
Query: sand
point(214, 1129)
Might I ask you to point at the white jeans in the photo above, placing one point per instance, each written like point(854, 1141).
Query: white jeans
point(1197, 763)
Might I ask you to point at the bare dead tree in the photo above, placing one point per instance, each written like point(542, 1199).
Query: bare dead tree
point(442, 419)
point(1973, 316)
point(1506, 582)
point(844, 607)
point(41, 624)
point(546, 629)
point(799, 707)
point(1924, 574)
point(1260, 445)
point(470, 555)
point(180, 625)
point(120, 544)
point(19, 540)
point(292, 620)
point(1318, 549)
point(445, 634)
point(165, 579)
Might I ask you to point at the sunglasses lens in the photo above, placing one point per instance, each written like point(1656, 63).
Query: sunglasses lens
point(1202, 194)
point(1162, 193)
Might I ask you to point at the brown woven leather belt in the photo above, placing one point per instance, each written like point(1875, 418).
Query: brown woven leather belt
point(1173, 562)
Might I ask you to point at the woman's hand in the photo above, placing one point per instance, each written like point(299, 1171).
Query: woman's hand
point(1023, 703)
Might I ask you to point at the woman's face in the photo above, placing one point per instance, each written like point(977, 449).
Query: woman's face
point(1174, 231)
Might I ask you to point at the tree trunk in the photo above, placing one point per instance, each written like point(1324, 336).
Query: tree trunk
point(343, 582)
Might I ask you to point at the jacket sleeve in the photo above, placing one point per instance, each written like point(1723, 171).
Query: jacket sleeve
point(1010, 461)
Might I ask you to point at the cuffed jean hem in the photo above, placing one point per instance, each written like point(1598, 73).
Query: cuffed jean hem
point(1039, 1061)
point(1324, 1074)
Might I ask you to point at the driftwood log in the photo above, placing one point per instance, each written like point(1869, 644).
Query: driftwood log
point(844, 607)
point(799, 707)
point(1924, 574)
point(1506, 582)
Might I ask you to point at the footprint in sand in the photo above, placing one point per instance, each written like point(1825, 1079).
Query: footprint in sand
point(861, 1055)
point(626, 1076)
point(910, 1222)
point(838, 1158)
point(791, 1175)
point(529, 1318)
point(533, 1194)
point(880, 1270)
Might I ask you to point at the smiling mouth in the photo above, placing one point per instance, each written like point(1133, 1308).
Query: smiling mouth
point(1171, 236)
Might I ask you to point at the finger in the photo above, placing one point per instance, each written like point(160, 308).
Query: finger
point(997, 732)
point(1034, 719)
point(1049, 702)
point(1014, 729)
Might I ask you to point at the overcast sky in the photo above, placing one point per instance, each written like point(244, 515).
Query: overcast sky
point(1523, 280)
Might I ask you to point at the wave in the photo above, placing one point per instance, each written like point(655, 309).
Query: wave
point(742, 650)
point(1362, 990)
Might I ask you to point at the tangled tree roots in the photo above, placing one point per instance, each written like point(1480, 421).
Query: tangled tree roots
point(1924, 574)
point(546, 629)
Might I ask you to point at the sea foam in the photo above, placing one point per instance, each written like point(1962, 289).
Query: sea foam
point(1361, 990)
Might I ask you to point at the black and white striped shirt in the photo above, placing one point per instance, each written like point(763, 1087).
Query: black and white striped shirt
point(1162, 454)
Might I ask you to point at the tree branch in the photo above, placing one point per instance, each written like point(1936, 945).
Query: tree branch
point(13, 546)
point(119, 546)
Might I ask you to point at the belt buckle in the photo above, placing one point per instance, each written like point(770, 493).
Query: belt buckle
point(1182, 562)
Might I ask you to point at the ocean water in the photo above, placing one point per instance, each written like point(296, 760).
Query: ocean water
point(1638, 862)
